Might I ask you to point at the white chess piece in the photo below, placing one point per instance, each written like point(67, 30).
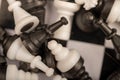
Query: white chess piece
point(24, 22)
point(12, 73)
point(17, 51)
point(66, 58)
point(58, 77)
point(114, 15)
point(65, 9)
point(88, 4)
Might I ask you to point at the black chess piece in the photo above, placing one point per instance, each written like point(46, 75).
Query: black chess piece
point(35, 7)
point(110, 35)
point(102, 9)
point(85, 22)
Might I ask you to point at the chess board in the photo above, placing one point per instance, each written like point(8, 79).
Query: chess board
point(98, 53)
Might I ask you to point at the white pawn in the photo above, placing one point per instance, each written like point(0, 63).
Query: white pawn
point(88, 4)
point(58, 77)
point(67, 10)
point(66, 58)
point(12, 73)
point(24, 22)
point(17, 51)
point(114, 15)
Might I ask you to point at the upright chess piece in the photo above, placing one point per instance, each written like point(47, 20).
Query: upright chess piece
point(24, 22)
point(65, 9)
point(35, 7)
point(69, 62)
point(11, 72)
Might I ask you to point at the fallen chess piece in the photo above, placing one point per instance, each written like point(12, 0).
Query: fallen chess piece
point(15, 50)
point(33, 41)
point(110, 33)
point(24, 22)
point(69, 62)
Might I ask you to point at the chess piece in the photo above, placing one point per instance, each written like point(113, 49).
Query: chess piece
point(35, 7)
point(24, 22)
point(67, 10)
point(47, 58)
point(108, 10)
point(88, 4)
point(110, 35)
point(33, 41)
point(11, 72)
point(69, 62)
point(84, 21)
point(15, 50)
